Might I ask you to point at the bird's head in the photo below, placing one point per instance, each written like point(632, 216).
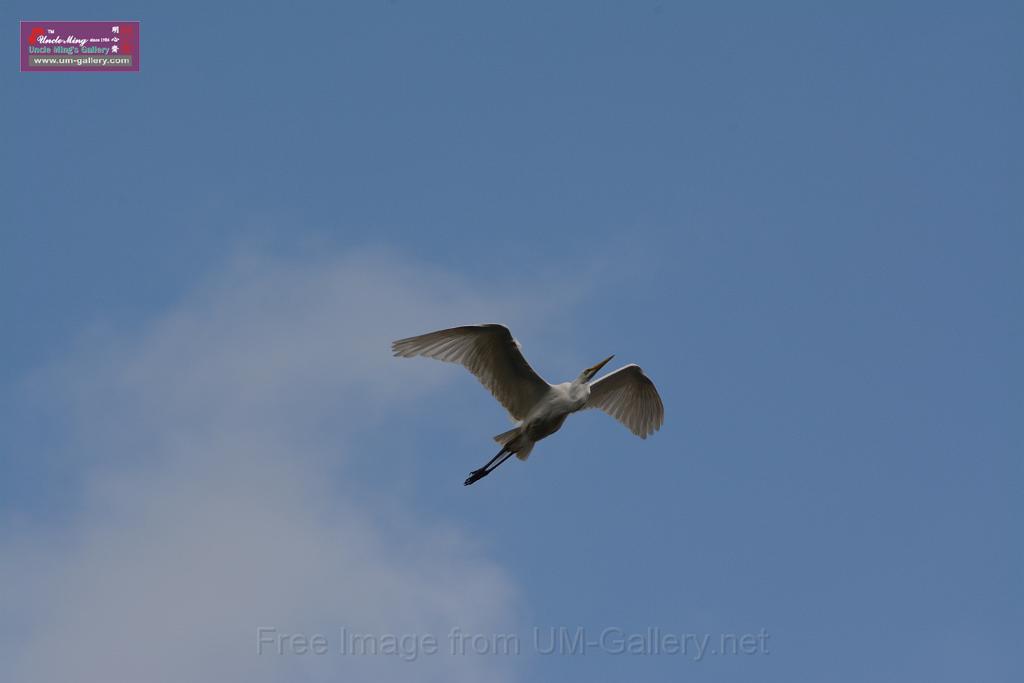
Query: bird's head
point(589, 373)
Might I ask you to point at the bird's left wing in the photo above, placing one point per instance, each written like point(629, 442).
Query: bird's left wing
point(490, 353)
point(628, 395)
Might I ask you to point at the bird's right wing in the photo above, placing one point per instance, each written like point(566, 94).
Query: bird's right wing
point(490, 353)
point(628, 395)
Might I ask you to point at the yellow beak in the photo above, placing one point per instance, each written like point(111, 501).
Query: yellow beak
point(593, 370)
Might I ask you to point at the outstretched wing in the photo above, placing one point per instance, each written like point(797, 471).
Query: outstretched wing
point(490, 353)
point(628, 395)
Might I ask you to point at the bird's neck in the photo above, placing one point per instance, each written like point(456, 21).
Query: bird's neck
point(579, 388)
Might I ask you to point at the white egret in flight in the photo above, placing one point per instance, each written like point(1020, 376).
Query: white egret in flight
point(538, 408)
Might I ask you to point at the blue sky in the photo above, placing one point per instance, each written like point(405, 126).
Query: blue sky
point(804, 221)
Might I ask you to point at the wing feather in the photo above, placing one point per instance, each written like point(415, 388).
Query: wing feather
point(490, 353)
point(628, 395)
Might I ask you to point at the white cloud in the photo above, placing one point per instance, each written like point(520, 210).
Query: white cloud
point(209, 510)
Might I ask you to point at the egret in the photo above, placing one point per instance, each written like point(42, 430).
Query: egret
point(539, 409)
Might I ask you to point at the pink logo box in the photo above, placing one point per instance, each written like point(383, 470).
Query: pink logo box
point(79, 46)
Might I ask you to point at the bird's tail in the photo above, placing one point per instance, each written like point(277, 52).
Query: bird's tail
point(505, 438)
point(508, 440)
point(524, 452)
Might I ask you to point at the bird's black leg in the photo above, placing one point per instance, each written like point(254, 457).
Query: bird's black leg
point(477, 475)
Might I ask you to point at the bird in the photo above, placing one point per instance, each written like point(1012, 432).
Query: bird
point(538, 408)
